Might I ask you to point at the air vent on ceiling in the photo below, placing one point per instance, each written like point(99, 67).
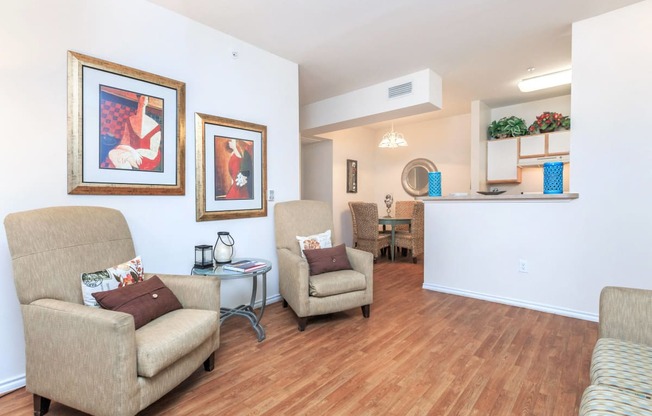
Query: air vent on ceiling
point(398, 90)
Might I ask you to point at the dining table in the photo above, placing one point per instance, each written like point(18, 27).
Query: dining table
point(393, 222)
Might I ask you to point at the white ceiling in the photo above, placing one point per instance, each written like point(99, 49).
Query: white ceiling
point(480, 48)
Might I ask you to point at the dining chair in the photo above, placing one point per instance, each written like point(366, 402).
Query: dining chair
point(354, 225)
point(367, 235)
point(404, 210)
point(413, 239)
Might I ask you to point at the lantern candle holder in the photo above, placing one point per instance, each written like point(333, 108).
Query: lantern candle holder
point(223, 250)
point(203, 256)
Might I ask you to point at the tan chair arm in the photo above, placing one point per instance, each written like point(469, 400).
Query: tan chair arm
point(68, 344)
point(194, 292)
point(293, 276)
point(361, 261)
point(626, 314)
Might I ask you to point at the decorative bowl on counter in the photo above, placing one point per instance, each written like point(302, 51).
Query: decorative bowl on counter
point(491, 192)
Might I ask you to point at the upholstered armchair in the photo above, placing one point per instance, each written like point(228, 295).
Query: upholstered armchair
point(94, 359)
point(368, 236)
point(413, 239)
point(324, 293)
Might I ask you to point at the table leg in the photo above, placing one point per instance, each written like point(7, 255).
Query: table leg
point(247, 311)
point(392, 246)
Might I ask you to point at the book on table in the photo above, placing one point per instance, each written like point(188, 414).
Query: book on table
point(244, 266)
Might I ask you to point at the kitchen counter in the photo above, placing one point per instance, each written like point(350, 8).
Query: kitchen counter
point(502, 197)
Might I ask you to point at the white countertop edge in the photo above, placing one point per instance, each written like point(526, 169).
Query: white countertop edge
point(568, 196)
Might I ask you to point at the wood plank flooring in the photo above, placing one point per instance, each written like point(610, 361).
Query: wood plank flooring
point(420, 353)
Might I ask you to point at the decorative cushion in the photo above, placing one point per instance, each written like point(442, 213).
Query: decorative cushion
point(324, 260)
point(623, 365)
point(311, 242)
point(111, 278)
point(599, 400)
point(146, 300)
point(336, 283)
point(171, 337)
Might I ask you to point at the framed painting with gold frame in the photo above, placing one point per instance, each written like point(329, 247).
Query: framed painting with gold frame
point(126, 130)
point(231, 168)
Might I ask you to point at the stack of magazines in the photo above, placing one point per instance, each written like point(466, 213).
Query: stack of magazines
point(245, 266)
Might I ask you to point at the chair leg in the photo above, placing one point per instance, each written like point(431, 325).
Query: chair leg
point(41, 405)
point(414, 260)
point(209, 364)
point(302, 323)
point(366, 310)
point(285, 303)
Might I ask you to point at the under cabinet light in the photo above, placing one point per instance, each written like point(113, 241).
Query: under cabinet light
point(545, 81)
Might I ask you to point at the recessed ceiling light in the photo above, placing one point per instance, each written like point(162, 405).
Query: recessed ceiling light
point(545, 81)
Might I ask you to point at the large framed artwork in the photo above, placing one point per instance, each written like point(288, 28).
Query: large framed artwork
point(231, 167)
point(126, 130)
point(351, 176)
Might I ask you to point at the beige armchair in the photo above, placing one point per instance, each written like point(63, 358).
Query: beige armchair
point(412, 240)
point(305, 218)
point(93, 359)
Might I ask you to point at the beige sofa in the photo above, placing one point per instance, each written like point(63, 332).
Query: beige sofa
point(621, 366)
point(93, 359)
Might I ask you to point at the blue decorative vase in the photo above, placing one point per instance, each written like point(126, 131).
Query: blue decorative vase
point(434, 183)
point(553, 178)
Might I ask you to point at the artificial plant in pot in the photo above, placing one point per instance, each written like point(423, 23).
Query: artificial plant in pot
point(507, 127)
point(549, 121)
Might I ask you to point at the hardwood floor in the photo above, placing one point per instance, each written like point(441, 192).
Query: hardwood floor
point(420, 353)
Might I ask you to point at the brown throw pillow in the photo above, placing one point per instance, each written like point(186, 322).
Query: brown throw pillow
point(326, 260)
point(146, 300)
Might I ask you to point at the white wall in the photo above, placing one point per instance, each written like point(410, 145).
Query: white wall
point(446, 142)
point(575, 248)
point(317, 171)
point(356, 144)
point(257, 87)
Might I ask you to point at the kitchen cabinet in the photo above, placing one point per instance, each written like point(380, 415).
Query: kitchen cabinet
point(533, 146)
point(502, 161)
point(549, 144)
point(559, 143)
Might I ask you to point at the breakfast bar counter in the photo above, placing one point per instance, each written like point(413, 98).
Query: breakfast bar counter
point(502, 197)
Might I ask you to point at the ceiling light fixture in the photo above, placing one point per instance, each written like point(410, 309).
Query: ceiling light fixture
point(545, 81)
point(392, 139)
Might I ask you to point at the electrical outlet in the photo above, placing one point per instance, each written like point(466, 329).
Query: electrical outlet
point(271, 195)
point(522, 266)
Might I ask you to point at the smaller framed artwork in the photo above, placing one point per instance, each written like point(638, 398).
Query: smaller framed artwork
point(351, 176)
point(126, 130)
point(231, 168)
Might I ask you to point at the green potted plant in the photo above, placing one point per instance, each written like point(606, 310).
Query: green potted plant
point(549, 121)
point(507, 127)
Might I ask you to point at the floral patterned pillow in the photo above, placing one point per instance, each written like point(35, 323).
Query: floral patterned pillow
point(121, 275)
point(316, 241)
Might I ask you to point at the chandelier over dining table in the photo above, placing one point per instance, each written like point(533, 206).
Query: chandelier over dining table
point(392, 139)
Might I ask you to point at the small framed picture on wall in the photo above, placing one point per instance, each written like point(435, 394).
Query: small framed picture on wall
point(351, 176)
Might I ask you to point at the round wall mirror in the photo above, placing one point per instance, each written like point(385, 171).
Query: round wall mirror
point(415, 176)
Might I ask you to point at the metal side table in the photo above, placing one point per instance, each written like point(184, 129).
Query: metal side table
point(246, 311)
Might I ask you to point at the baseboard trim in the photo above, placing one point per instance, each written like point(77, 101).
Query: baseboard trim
point(270, 300)
point(514, 302)
point(12, 384)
